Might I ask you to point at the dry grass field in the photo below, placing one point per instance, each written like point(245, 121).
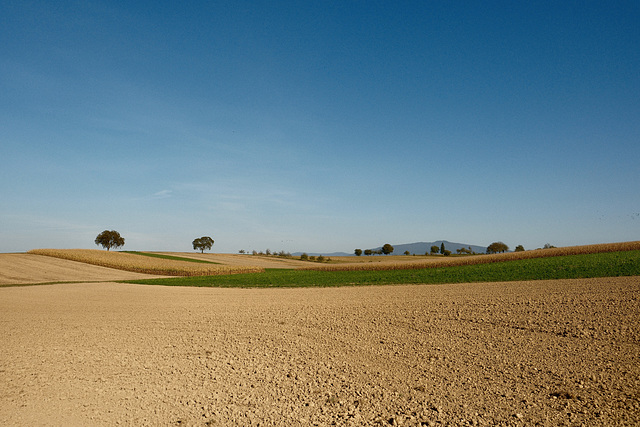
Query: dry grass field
point(144, 264)
point(244, 260)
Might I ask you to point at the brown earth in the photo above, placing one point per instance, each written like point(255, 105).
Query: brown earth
point(522, 353)
point(21, 268)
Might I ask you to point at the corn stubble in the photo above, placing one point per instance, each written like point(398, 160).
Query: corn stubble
point(143, 264)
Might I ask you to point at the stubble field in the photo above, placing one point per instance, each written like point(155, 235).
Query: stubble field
point(561, 352)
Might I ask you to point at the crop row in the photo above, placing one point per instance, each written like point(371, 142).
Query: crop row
point(144, 264)
point(483, 259)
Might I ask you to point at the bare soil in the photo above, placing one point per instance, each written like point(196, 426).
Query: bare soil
point(523, 353)
point(21, 268)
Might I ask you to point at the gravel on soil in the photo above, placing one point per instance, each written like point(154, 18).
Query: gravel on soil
point(513, 354)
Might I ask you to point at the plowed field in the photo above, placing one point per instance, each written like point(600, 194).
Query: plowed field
point(521, 353)
point(29, 268)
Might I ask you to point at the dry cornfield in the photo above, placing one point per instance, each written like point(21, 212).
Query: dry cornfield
point(144, 264)
point(434, 262)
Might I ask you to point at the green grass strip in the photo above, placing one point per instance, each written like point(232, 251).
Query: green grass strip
point(610, 264)
point(171, 257)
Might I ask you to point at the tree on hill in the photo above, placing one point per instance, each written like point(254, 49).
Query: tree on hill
point(497, 247)
point(202, 243)
point(387, 249)
point(519, 248)
point(109, 239)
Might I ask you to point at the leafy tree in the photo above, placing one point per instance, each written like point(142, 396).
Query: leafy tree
point(387, 249)
point(358, 252)
point(406, 252)
point(519, 248)
point(434, 249)
point(447, 252)
point(304, 256)
point(497, 247)
point(548, 246)
point(320, 258)
point(202, 243)
point(109, 239)
point(368, 252)
point(442, 248)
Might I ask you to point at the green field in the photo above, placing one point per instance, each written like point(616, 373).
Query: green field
point(609, 264)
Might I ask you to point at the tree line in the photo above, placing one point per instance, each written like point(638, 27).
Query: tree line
point(387, 249)
point(493, 248)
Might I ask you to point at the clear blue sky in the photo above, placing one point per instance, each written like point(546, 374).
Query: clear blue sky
point(318, 126)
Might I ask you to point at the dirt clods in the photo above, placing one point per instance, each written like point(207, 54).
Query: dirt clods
point(512, 354)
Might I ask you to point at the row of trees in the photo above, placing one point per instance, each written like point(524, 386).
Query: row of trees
point(499, 247)
point(268, 252)
point(494, 248)
point(386, 250)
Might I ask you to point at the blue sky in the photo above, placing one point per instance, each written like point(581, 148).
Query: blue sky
point(318, 126)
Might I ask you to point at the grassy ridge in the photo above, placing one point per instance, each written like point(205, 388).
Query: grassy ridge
point(609, 264)
point(170, 257)
point(144, 264)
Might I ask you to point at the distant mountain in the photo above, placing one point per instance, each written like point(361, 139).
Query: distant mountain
point(323, 254)
point(418, 248)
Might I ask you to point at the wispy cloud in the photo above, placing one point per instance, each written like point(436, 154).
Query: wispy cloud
point(163, 194)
